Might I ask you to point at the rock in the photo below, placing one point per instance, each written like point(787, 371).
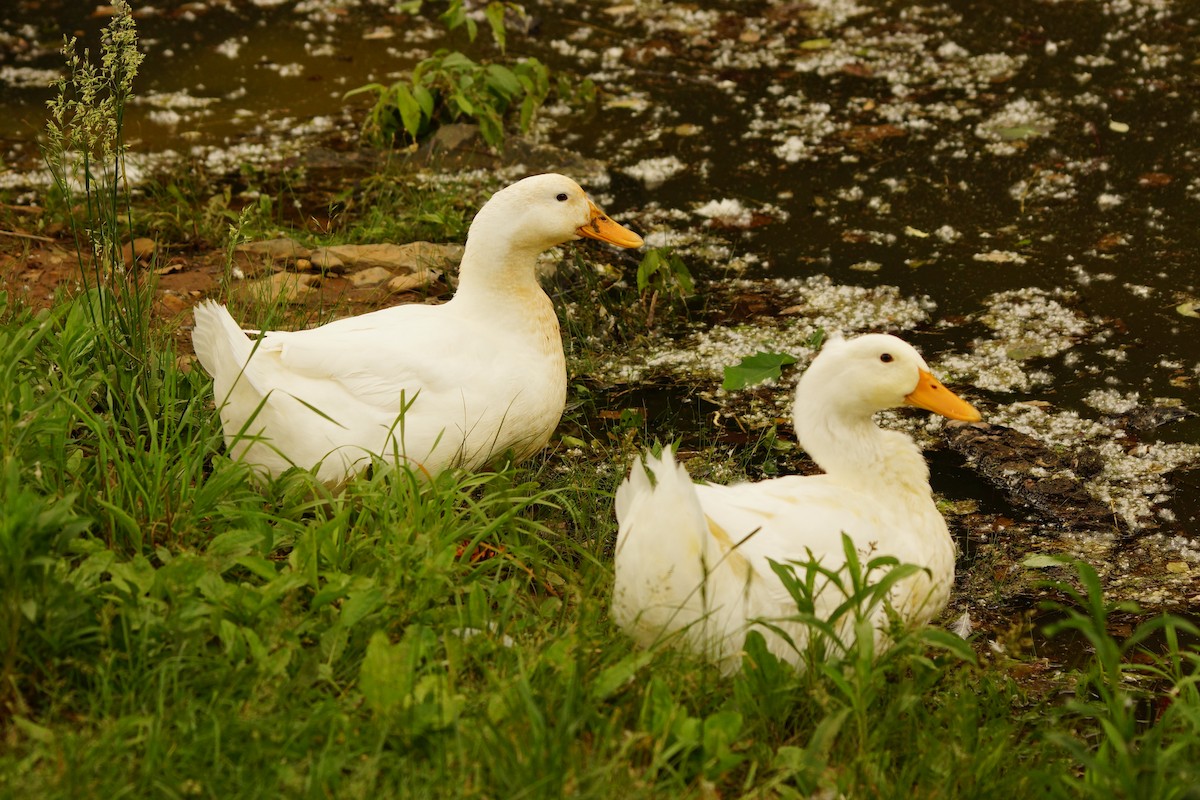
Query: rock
point(371, 276)
point(454, 136)
point(326, 261)
point(141, 249)
point(416, 280)
point(172, 304)
point(290, 287)
point(255, 257)
point(397, 257)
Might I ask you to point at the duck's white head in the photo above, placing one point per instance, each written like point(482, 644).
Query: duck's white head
point(860, 376)
point(542, 211)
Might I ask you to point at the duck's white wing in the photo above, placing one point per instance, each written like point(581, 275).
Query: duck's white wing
point(375, 361)
point(800, 518)
point(786, 518)
point(468, 390)
point(790, 520)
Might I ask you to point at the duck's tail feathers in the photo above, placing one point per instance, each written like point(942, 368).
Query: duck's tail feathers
point(225, 353)
point(659, 494)
point(219, 342)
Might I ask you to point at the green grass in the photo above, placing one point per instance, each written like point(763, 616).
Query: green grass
point(169, 629)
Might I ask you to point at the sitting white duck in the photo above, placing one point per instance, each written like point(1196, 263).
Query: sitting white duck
point(433, 386)
point(692, 559)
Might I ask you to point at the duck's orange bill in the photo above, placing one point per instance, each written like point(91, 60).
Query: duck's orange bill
point(931, 395)
point(602, 228)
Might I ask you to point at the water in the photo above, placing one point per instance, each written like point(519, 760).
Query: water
point(951, 149)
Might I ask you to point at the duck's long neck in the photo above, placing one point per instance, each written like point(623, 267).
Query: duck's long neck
point(497, 268)
point(850, 447)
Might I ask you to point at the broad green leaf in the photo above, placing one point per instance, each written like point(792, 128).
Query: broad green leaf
point(381, 678)
point(233, 543)
point(264, 568)
point(359, 604)
point(465, 105)
point(458, 61)
point(136, 573)
point(683, 275)
point(651, 262)
point(609, 681)
point(1041, 561)
point(495, 17)
point(528, 106)
point(503, 80)
point(409, 108)
point(658, 707)
point(491, 129)
point(755, 369)
point(424, 99)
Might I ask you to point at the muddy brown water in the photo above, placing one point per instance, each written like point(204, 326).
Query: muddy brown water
point(955, 150)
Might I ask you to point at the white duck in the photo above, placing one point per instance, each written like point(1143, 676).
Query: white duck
point(692, 559)
point(434, 386)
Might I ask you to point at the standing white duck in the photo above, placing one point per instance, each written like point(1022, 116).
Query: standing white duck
point(433, 386)
point(692, 559)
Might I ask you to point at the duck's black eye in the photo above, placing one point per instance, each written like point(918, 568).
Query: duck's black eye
point(886, 358)
point(562, 197)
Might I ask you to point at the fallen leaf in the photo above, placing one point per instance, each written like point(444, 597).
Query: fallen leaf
point(1042, 561)
point(755, 369)
point(1189, 309)
point(140, 249)
point(1018, 132)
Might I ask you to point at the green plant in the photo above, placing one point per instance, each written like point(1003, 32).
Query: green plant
point(455, 16)
point(842, 610)
point(662, 273)
point(693, 746)
point(1145, 711)
point(448, 86)
point(85, 151)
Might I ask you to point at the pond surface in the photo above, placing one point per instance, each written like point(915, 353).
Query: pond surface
point(1013, 186)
